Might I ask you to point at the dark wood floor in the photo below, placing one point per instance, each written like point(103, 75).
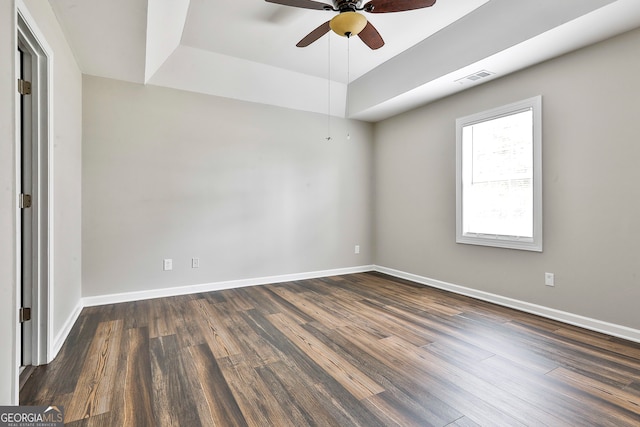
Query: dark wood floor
point(363, 349)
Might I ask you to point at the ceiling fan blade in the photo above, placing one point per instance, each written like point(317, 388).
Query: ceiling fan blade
point(371, 37)
point(314, 35)
point(386, 6)
point(304, 4)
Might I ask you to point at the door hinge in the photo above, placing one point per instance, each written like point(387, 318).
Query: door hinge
point(24, 87)
point(25, 314)
point(25, 201)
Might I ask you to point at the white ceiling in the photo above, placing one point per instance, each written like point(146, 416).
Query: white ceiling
point(245, 49)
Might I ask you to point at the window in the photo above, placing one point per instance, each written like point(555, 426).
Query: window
point(499, 177)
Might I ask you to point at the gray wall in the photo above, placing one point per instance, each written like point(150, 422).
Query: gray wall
point(591, 148)
point(252, 190)
point(66, 92)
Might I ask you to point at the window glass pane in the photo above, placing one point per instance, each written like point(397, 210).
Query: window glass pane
point(498, 176)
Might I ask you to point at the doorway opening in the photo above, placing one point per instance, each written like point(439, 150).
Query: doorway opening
point(34, 218)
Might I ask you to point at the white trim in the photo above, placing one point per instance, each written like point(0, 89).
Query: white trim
point(533, 243)
point(562, 316)
point(43, 295)
point(550, 313)
point(64, 331)
point(16, 339)
point(217, 286)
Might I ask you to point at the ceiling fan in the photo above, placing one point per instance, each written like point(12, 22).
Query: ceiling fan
point(349, 22)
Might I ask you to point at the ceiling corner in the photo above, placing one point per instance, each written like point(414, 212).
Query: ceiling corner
point(165, 25)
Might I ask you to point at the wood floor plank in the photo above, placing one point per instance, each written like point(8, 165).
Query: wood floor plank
point(255, 348)
point(348, 412)
point(212, 327)
point(290, 400)
point(137, 396)
point(354, 350)
point(310, 308)
point(358, 384)
point(92, 395)
point(391, 322)
point(451, 370)
point(260, 298)
point(58, 379)
point(621, 398)
point(347, 406)
point(258, 405)
point(281, 305)
point(236, 300)
point(223, 410)
point(531, 394)
point(553, 396)
point(173, 401)
point(134, 314)
point(463, 422)
point(292, 387)
point(564, 346)
point(100, 420)
point(276, 339)
point(490, 340)
point(160, 323)
point(443, 380)
point(399, 383)
point(394, 412)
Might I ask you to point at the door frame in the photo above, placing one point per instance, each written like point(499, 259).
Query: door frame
point(28, 34)
point(28, 216)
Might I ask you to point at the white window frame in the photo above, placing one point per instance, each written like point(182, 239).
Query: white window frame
point(503, 241)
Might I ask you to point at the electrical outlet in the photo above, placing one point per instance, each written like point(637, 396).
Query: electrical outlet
point(195, 262)
point(549, 279)
point(356, 250)
point(167, 264)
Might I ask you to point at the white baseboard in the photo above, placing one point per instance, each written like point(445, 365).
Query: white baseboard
point(562, 316)
point(217, 286)
point(64, 332)
point(550, 313)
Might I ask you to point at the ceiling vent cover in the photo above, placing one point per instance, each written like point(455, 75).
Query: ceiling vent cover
point(478, 75)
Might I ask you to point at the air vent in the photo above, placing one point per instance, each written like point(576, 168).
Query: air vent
point(479, 75)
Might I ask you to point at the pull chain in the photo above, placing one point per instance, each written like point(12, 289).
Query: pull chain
point(328, 138)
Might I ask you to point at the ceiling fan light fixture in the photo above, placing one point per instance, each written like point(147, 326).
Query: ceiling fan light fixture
point(347, 24)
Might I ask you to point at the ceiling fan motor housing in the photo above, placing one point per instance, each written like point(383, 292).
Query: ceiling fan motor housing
point(346, 5)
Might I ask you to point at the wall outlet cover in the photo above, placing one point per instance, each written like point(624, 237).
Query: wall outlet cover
point(549, 279)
